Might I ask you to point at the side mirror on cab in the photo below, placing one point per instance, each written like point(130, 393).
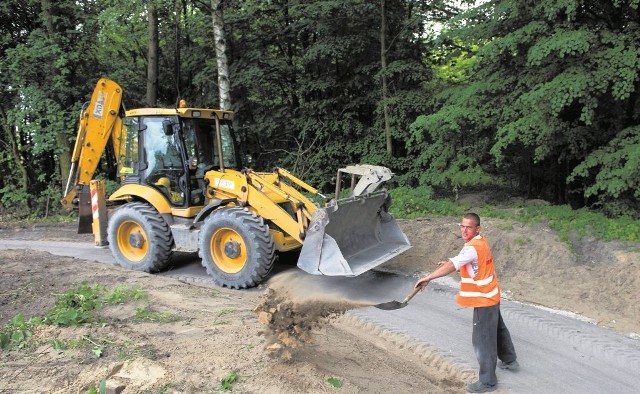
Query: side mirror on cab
point(247, 159)
point(167, 127)
point(193, 163)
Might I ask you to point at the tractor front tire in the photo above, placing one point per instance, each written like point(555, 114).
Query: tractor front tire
point(236, 248)
point(139, 238)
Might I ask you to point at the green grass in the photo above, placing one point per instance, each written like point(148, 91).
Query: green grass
point(409, 203)
point(520, 241)
point(78, 306)
point(335, 382)
point(99, 389)
point(219, 318)
point(67, 344)
point(565, 221)
point(148, 315)
point(227, 382)
point(413, 203)
point(15, 334)
point(122, 294)
point(505, 226)
point(20, 220)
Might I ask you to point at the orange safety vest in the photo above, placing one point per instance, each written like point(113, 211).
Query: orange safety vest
point(482, 290)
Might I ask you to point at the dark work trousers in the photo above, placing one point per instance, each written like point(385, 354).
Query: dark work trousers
point(491, 340)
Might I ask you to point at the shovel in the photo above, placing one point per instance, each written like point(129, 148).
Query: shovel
point(391, 305)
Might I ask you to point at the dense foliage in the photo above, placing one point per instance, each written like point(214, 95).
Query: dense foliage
point(535, 99)
point(549, 106)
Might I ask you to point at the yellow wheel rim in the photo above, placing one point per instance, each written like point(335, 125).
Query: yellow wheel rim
point(228, 250)
point(133, 241)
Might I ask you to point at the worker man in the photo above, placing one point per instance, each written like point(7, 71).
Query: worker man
point(479, 290)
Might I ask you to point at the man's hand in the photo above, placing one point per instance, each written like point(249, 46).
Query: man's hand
point(422, 283)
point(444, 268)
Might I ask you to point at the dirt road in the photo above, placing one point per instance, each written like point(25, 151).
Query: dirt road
point(422, 348)
point(216, 334)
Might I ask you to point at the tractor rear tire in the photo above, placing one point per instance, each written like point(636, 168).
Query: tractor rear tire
point(236, 248)
point(139, 238)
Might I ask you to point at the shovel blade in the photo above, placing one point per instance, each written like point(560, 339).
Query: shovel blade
point(391, 305)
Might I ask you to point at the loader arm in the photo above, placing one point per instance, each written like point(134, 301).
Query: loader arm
point(96, 127)
point(268, 195)
point(272, 183)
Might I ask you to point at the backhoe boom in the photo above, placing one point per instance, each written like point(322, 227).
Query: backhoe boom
point(97, 123)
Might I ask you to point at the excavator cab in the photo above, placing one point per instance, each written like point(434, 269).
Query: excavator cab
point(172, 152)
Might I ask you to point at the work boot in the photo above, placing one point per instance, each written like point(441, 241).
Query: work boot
point(479, 387)
point(511, 366)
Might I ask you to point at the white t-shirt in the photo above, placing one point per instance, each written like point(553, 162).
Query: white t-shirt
point(467, 258)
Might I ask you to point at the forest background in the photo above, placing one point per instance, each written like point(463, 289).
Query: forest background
point(527, 99)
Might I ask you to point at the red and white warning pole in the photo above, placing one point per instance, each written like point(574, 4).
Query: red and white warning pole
point(99, 210)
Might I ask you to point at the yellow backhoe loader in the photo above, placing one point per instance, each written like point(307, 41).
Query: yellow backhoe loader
point(183, 188)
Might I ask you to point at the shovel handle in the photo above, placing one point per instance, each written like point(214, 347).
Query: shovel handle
point(413, 293)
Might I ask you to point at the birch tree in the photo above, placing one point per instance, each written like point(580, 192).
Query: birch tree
point(220, 42)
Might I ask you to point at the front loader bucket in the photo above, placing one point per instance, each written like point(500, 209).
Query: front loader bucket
point(351, 237)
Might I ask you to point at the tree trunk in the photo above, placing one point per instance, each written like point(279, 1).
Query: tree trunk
point(152, 55)
point(64, 157)
point(224, 85)
point(177, 9)
point(62, 141)
point(385, 88)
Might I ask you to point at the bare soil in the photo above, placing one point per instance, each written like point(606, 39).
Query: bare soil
point(273, 339)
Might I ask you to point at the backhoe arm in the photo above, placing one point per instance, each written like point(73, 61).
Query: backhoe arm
point(96, 126)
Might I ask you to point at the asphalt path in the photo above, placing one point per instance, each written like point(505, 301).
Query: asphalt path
point(558, 352)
